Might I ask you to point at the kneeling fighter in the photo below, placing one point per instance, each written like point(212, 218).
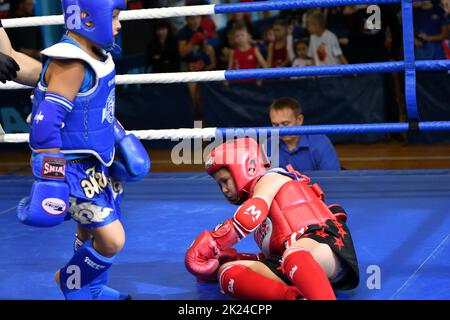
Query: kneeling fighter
point(307, 250)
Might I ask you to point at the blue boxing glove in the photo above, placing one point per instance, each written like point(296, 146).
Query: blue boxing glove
point(134, 163)
point(48, 202)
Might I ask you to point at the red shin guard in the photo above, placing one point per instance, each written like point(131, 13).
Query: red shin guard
point(241, 282)
point(307, 275)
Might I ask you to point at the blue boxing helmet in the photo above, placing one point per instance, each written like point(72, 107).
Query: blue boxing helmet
point(92, 19)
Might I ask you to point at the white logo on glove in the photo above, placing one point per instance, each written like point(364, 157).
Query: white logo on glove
point(54, 206)
point(292, 272)
point(231, 286)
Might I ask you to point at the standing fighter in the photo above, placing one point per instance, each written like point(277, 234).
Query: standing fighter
point(74, 138)
point(15, 65)
point(307, 248)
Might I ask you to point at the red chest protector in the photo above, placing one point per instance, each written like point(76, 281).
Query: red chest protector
point(296, 205)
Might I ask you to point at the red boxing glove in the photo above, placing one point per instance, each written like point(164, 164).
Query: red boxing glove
point(225, 256)
point(202, 257)
point(197, 38)
point(229, 255)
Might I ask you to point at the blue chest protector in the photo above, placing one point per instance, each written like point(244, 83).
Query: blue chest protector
point(88, 128)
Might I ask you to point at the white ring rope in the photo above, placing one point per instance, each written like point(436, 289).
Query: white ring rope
point(176, 77)
point(162, 78)
point(164, 134)
point(141, 14)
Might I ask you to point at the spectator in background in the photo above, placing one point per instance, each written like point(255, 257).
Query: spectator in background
point(324, 47)
point(238, 19)
point(135, 4)
point(306, 152)
point(278, 49)
point(26, 40)
point(267, 38)
point(207, 24)
point(366, 44)
point(381, 43)
point(430, 29)
point(301, 54)
point(225, 52)
point(196, 55)
point(195, 52)
point(162, 53)
point(244, 56)
point(5, 8)
point(446, 43)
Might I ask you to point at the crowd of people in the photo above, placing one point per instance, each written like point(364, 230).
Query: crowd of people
point(302, 37)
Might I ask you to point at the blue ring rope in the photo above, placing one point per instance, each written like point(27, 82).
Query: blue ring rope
point(291, 4)
point(333, 129)
point(410, 67)
point(375, 67)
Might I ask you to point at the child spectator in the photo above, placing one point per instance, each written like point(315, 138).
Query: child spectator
point(430, 29)
point(301, 54)
point(238, 19)
point(267, 38)
point(195, 53)
point(244, 56)
point(207, 24)
point(278, 50)
point(225, 51)
point(446, 43)
point(324, 46)
point(162, 53)
point(5, 7)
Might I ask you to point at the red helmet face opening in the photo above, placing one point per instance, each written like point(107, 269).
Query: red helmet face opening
point(243, 157)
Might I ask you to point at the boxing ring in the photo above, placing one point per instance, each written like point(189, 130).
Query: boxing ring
point(399, 219)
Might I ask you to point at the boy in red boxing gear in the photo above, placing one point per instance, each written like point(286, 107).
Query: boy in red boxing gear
point(244, 55)
point(307, 248)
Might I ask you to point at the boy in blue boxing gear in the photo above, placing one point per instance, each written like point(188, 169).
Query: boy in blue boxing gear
point(73, 123)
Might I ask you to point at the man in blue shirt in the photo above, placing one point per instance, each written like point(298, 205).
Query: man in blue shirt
point(306, 152)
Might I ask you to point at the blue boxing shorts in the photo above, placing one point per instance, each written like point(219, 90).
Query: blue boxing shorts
point(94, 195)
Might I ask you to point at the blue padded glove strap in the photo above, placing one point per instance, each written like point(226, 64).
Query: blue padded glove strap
point(47, 121)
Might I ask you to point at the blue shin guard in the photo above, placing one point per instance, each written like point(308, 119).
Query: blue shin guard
point(99, 289)
point(77, 275)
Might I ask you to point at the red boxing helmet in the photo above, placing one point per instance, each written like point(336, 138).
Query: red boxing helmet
point(243, 157)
